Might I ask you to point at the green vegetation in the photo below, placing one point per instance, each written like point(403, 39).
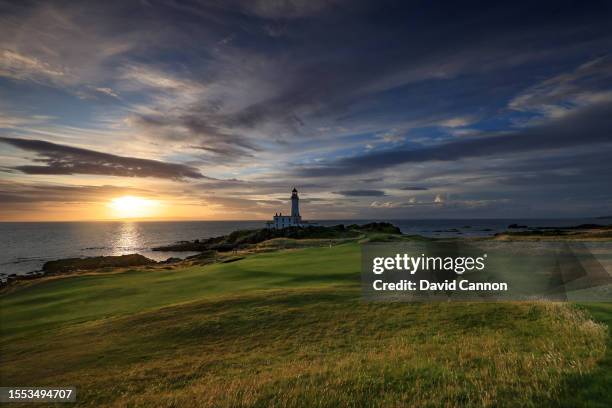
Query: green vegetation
point(246, 238)
point(288, 328)
point(593, 388)
point(50, 303)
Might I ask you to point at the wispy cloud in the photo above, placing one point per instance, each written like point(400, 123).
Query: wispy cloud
point(592, 123)
point(65, 160)
point(18, 66)
point(590, 83)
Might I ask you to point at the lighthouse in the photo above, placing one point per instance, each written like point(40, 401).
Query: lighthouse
point(295, 205)
point(280, 221)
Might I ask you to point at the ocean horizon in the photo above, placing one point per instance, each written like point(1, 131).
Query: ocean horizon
point(28, 245)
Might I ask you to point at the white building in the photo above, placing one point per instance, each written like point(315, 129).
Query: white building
point(294, 220)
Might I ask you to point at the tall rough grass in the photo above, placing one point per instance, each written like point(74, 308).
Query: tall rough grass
point(316, 348)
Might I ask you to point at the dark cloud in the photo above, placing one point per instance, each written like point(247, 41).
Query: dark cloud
point(61, 159)
point(361, 193)
point(248, 187)
point(372, 179)
point(274, 89)
point(324, 73)
point(414, 188)
point(588, 126)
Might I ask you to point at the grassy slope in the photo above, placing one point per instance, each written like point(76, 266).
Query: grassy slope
point(83, 298)
point(594, 388)
point(228, 335)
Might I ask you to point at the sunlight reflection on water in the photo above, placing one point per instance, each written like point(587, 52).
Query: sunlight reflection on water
point(127, 239)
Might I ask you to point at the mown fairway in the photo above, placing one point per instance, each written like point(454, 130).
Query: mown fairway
point(85, 298)
point(289, 329)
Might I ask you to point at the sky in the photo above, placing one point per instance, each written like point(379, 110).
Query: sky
point(215, 110)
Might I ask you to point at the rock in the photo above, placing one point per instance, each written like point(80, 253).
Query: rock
point(589, 226)
point(75, 264)
point(383, 227)
point(516, 226)
point(172, 260)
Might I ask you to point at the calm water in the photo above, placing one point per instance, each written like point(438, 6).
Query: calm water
point(26, 246)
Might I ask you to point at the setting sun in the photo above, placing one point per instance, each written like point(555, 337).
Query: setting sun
point(133, 207)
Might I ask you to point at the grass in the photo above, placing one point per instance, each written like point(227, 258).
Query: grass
point(593, 388)
point(81, 299)
point(288, 329)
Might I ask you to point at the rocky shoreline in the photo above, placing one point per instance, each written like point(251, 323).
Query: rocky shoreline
point(71, 265)
point(209, 249)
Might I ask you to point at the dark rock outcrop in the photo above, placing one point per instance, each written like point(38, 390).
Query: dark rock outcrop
point(78, 264)
point(516, 226)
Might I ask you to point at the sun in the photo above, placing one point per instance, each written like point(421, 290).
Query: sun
point(132, 207)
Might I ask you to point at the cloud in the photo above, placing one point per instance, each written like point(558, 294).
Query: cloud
point(361, 193)
point(107, 91)
point(154, 78)
point(9, 121)
point(201, 132)
point(581, 127)
point(372, 179)
point(277, 93)
point(183, 110)
point(18, 66)
point(456, 122)
point(588, 84)
point(384, 204)
point(65, 160)
point(14, 193)
point(437, 201)
point(287, 9)
point(63, 46)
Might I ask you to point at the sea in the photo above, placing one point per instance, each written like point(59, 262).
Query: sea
point(26, 246)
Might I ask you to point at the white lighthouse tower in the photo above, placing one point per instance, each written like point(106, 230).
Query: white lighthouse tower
point(294, 220)
point(295, 205)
